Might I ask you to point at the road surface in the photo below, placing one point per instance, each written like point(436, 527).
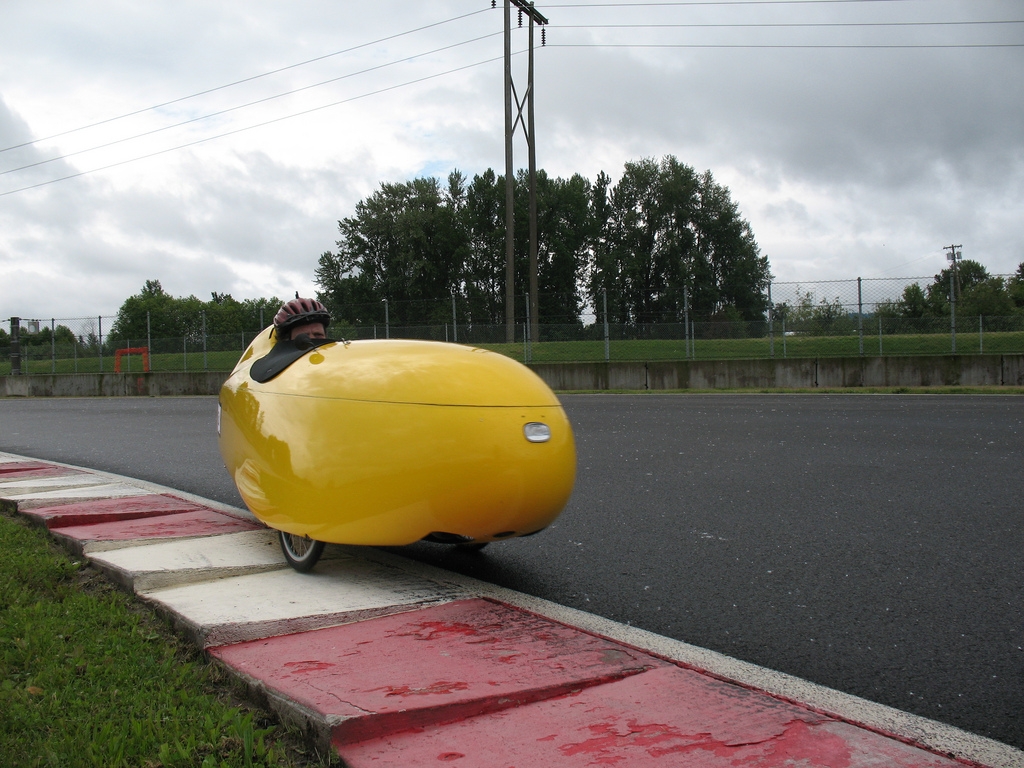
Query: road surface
point(870, 543)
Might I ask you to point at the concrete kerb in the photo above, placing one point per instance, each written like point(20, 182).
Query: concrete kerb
point(911, 729)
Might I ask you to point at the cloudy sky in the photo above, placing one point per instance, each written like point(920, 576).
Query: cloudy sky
point(858, 137)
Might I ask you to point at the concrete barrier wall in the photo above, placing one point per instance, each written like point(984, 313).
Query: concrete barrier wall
point(945, 370)
point(114, 384)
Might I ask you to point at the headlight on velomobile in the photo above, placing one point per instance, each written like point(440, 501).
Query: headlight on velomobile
point(388, 442)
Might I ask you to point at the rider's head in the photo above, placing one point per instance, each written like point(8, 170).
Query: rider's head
point(299, 316)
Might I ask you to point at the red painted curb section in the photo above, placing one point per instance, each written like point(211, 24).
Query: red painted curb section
point(201, 522)
point(29, 470)
point(21, 466)
point(668, 716)
point(436, 664)
point(109, 510)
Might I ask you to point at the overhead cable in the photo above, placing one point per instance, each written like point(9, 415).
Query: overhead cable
point(257, 125)
point(243, 80)
point(243, 106)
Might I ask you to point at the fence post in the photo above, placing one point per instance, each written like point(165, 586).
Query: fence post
point(149, 335)
point(184, 351)
point(879, 335)
point(771, 321)
point(99, 325)
point(15, 346)
point(607, 345)
point(455, 325)
point(526, 330)
point(981, 336)
point(686, 321)
point(53, 345)
point(206, 366)
point(860, 318)
point(783, 337)
point(387, 321)
point(952, 310)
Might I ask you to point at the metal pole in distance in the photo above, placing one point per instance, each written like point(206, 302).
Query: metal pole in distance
point(387, 321)
point(981, 336)
point(607, 346)
point(686, 320)
point(15, 346)
point(953, 257)
point(206, 366)
point(952, 311)
point(455, 326)
point(100, 326)
point(53, 345)
point(860, 317)
point(510, 203)
point(879, 335)
point(527, 330)
point(149, 335)
point(771, 321)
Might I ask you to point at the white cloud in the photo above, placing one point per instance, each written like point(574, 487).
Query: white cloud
point(846, 161)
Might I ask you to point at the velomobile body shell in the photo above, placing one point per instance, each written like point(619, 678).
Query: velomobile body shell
point(388, 442)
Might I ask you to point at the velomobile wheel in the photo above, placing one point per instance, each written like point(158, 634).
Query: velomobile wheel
point(474, 547)
point(301, 552)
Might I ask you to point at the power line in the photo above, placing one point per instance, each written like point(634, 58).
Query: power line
point(258, 125)
point(243, 80)
point(719, 2)
point(243, 106)
point(784, 24)
point(785, 45)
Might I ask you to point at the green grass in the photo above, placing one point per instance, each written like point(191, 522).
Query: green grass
point(742, 349)
point(631, 350)
point(89, 677)
point(171, 361)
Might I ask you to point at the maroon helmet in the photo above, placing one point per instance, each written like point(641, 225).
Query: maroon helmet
point(299, 312)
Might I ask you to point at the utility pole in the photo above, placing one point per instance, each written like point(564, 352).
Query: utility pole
point(953, 257)
point(535, 18)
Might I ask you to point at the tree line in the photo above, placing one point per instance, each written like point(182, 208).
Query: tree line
point(976, 292)
point(661, 242)
point(154, 313)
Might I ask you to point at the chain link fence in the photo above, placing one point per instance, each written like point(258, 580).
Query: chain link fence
point(836, 318)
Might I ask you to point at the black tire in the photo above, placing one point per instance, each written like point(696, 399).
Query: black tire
point(474, 547)
point(301, 552)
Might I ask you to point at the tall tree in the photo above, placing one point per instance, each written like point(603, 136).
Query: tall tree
point(483, 217)
point(403, 244)
point(667, 231)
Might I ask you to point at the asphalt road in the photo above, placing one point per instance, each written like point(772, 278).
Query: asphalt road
point(870, 543)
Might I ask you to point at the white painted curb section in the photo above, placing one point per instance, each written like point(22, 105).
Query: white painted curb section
point(197, 583)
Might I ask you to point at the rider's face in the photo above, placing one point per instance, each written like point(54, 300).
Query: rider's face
point(313, 330)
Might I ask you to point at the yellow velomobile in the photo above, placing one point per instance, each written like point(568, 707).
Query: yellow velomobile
point(388, 442)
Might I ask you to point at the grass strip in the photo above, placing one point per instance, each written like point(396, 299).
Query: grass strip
point(90, 677)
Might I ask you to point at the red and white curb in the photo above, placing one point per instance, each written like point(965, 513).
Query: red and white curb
point(392, 662)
